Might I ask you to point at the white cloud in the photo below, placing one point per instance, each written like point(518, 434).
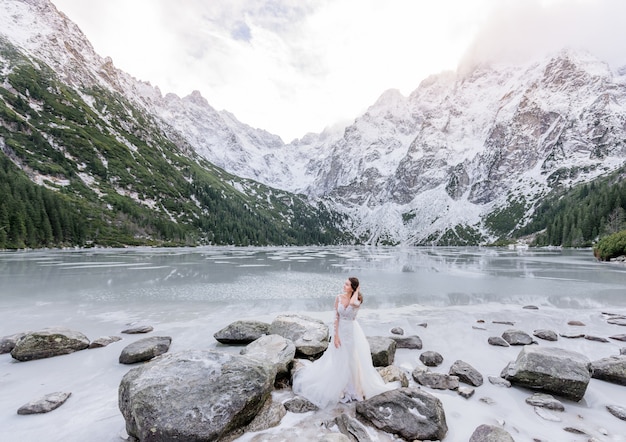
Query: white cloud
point(294, 66)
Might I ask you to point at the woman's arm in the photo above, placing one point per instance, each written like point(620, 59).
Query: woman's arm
point(354, 300)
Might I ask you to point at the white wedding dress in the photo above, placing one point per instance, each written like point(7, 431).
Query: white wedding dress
point(345, 373)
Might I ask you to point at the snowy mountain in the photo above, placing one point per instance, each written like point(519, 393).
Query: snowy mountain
point(448, 163)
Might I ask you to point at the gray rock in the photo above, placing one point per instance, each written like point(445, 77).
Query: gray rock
point(7, 343)
point(497, 341)
point(145, 349)
point(576, 323)
point(617, 411)
point(383, 350)
point(530, 307)
point(545, 401)
point(193, 395)
point(621, 337)
point(47, 403)
point(139, 329)
point(622, 351)
point(352, 428)
point(490, 433)
point(611, 369)
point(466, 392)
point(548, 335)
point(393, 373)
point(431, 358)
point(503, 322)
point(572, 335)
point(596, 338)
point(552, 370)
point(269, 416)
point(272, 349)
point(517, 337)
point(412, 342)
point(617, 321)
point(397, 331)
point(309, 335)
point(466, 373)
point(104, 341)
point(242, 332)
point(299, 404)
point(408, 412)
point(437, 381)
point(48, 343)
point(500, 382)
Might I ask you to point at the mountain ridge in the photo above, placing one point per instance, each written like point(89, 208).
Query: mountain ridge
point(440, 165)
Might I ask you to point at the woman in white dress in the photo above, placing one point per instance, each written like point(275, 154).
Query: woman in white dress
point(345, 371)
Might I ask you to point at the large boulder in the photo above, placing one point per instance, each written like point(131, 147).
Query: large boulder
point(408, 412)
point(242, 332)
point(49, 342)
point(383, 350)
point(193, 395)
point(611, 369)
point(309, 335)
point(552, 370)
point(145, 349)
point(272, 349)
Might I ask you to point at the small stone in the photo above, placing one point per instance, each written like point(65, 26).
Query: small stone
point(466, 392)
point(596, 338)
point(497, 341)
point(548, 335)
point(397, 331)
point(104, 341)
point(576, 323)
point(299, 405)
point(487, 400)
point(617, 411)
point(574, 430)
point(617, 321)
point(475, 327)
point(517, 337)
point(621, 337)
point(545, 401)
point(47, 403)
point(530, 307)
point(500, 382)
point(423, 324)
point(503, 322)
point(572, 335)
point(431, 358)
point(138, 329)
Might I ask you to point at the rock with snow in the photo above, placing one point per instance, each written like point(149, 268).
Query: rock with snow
point(299, 404)
point(49, 342)
point(617, 411)
point(309, 335)
point(556, 371)
point(272, 349)
point(437, 381)
point(490, 433)
point(242, 332)
point(45, 404)
point(545, 401)
point(104, 341)
point(145, 349)
point(497, 341)
point(410, 413)
point(352, 428)
point(393, 373)
point(7, 343)
point(138, 329)
point(193, 395)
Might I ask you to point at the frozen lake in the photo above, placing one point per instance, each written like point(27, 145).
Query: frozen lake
point(189, 294)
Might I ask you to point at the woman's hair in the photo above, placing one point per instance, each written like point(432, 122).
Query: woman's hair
point(354, 282)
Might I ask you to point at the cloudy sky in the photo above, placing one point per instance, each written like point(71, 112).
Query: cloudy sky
point(298, 66)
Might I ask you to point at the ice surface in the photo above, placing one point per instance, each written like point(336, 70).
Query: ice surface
point(189, 294)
